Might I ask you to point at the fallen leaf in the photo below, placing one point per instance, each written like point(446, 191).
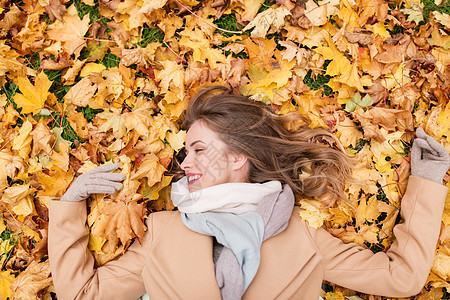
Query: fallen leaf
point(29, 282)
point(33, 97)
point(270, 18)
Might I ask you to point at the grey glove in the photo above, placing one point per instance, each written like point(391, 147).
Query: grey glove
point(97, 181)
point(429, 159)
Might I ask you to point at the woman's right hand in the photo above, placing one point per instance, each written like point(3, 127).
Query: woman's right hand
point(96, 181)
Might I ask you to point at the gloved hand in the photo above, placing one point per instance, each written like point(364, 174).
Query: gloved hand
point(96, 181)
point(429, 159)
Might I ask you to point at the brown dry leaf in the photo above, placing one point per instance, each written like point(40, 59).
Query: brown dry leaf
point(125, 219)
point(29, 282)
point(55, 10)
point(81, 93)
point(268, 19)
point(60, 62)
point(71, 31)
point(237, 70)
point(42, 139)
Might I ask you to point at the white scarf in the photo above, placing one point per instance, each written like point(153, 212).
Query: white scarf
point(234, 197)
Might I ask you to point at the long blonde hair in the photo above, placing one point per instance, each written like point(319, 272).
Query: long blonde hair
point(296, 158)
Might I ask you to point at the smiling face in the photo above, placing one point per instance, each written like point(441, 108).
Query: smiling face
point(208, 162)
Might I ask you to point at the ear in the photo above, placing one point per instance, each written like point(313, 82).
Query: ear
point(238, 161)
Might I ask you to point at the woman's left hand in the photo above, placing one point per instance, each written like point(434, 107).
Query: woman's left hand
point(429, 159)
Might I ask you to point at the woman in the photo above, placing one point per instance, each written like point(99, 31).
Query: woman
point(236, 233)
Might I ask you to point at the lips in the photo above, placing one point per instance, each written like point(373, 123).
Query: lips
point(193, 178)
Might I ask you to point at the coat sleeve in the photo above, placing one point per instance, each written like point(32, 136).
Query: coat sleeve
point(402, 270)
point(72, 264)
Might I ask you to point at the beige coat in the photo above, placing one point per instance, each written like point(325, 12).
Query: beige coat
point(176, 263)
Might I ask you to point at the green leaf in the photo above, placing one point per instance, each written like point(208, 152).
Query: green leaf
point(350, 106)
point(356, 101)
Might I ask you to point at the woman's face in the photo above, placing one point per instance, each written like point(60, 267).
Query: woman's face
point(207, 162)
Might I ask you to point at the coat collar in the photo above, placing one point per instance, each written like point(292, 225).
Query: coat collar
point(190, 264)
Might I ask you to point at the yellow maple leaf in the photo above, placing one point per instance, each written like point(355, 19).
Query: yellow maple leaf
point(334, 296)
point(444, 121)
point(339, 63)
point(441, 263)
point(149, 168)
point(113, 120)
point(28, 232)
point(6, 279)
point(367, 211)
point(96, 243)
point(33, 97)
point(348, 15)
point(56, 183)
point(172, 73)
point(312, 213)
point(10, 165)
point(153, 192)
point(22, 142)
point(176, 140)
point(91, 68)
point(348, 132)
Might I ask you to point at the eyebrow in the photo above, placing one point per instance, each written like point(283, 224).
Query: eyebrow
point(195, 142)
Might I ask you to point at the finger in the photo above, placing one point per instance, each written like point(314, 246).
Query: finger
point(430, 156)
point(102, 182)
point(101, 189)
point(437, 147)
point(421, 133)
point(107, 176)
point(425, 146)
point(416, 151)
point(105, 168)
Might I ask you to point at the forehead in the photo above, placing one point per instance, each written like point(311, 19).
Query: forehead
point(200, 131)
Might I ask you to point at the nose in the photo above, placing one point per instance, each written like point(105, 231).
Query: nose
point(186, 164)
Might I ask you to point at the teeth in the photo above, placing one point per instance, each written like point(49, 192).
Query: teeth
point(191, 178)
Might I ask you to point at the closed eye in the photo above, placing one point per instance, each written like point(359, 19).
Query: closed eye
point(198, 150)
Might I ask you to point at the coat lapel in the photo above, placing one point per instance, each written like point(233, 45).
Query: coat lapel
point(284, 257)
point(185, 264)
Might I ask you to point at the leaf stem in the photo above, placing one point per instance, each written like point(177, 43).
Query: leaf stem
point(210, 24)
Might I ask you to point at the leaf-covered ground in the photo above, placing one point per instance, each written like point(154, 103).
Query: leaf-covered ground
point(88, 82)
